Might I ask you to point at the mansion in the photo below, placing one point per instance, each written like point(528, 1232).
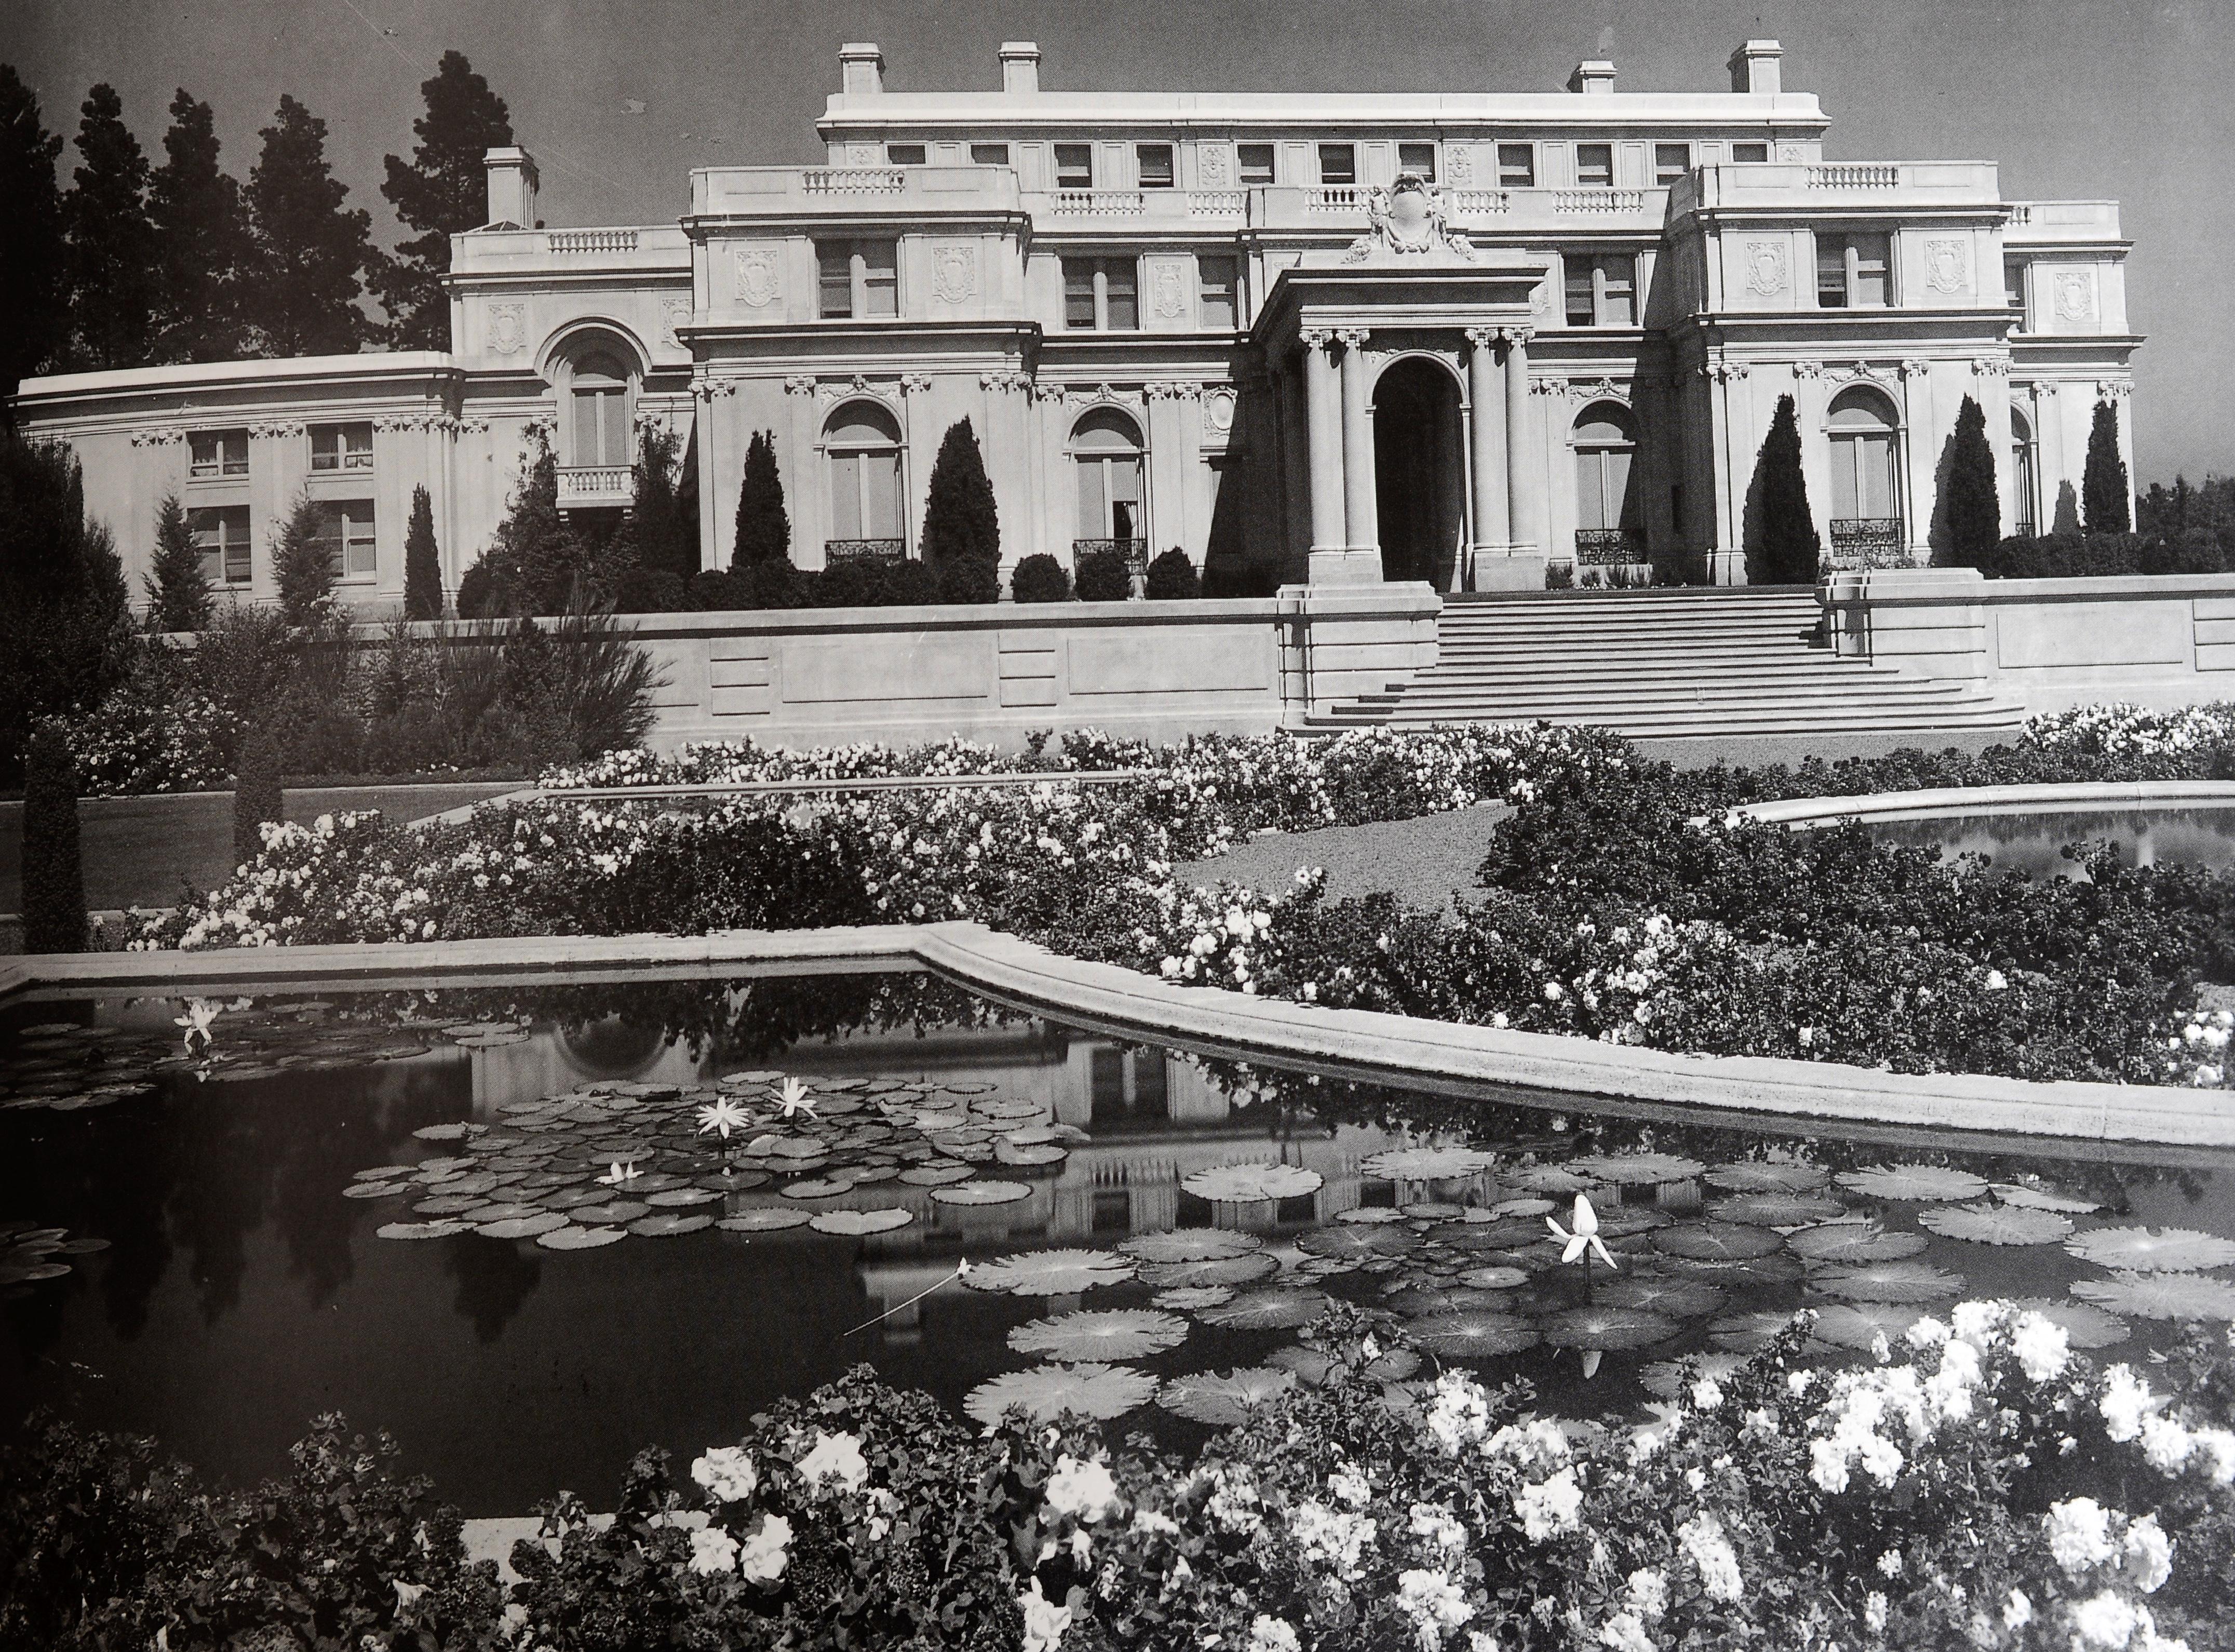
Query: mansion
point(1454, 337)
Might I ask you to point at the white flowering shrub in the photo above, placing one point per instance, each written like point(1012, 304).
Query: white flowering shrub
point(140, 740)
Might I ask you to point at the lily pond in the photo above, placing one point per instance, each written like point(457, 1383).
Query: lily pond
point(533, 1230)
point(2034, 840)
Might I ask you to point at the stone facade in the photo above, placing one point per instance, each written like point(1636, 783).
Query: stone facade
point(1341, 339)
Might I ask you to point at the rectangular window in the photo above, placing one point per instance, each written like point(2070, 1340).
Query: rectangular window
point(1254, 162)
point(2014, 286)
point(1156, 163)
point(989, 155)
point(1831, 272)
point(1670, 162)
point(346, 528)
point(835, 280)
point(880, 283)
point(1854, 271)
point(1516, 166)
point(1419, 159)
point(1872, 264)
point(904, 154)
point(1214, 281)
point(1078, 307)
point(856, 279)
point(1602, 291)
point(1338, 163)
point(221, 535)
point(341, 447)
point(215, 453)
point(1750, 153)
point(1101, 294)
point(1583, 310)
point(1121, 304)
point(1074, 165)
point(1595, 165)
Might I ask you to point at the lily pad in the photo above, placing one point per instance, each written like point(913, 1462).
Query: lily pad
point(437, 1229)
point(1358, 1243)
point(2033, 1197)
point(1548, 1178)
point(521, 1227)
point(1747, 1333)
point(1636, 1170)
point(1186, 1299)
point(982, 1193)
point(1049, 1273)
point(1859, 1325)
point(1268, 1310)
point(1667, 1378)
point(1776, 1209)
point(1493, 1277)
point(1716, 1240)
point(1889, 1281)
point(1369, 1214)
point(2165, 1250)
point(769, 1221)
point(853, 1223)
point(1252, 1183)
point(1426, 1164)
point(1996, 1224)
point(1913, 1182)
point(1106, 1334)
point(1190, 1244)
point(574, 1238)
point(662, 1224)
point(1212, 1271)
point(1472, 1336)
point(1852, 1243)
point(1047, 1392)
point(682, 1198)
point(2084, 1326)
point(1609, 1327)
point(1756, 1177)
point(941, 1175)
point(2160, 1296)
point(1685, 1299)
point(1223, 1401)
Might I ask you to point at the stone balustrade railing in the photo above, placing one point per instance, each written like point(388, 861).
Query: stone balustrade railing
point(561, 241)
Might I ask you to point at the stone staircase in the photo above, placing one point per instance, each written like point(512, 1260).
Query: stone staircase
point(1668, 664)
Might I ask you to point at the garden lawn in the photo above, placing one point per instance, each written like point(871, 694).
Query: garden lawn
point(139, 850)
point(1424, 861)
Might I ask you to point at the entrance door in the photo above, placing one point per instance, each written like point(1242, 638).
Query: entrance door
point(1419, 472)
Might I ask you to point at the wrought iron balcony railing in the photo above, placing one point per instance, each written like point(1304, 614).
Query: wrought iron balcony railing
point(1867, 542)
point(1135, 551)
point(836, 551)
point(1606, 546)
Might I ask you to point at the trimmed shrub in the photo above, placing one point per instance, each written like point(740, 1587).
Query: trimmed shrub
point(1784, 548)
point(1040, 578)
point(1102, 577)
point(256, 788)
point(652, 591)
point(763, 532)
point(1973, 508)
point(961, 519)
point(54, 875)
point(2079, 556)
point(477, 593)
point(178, 589)
point(1172, 578)
point(718, 591)
point(423, 564)
point(2106, 499)
point(968, 579)
point(1230, 576)
point(773, 583)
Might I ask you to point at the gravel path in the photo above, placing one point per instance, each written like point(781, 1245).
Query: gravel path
point(1422, 861)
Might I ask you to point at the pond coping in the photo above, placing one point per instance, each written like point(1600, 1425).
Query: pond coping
point(1952, 802)
point(1366, 1045)
point(1006, 779)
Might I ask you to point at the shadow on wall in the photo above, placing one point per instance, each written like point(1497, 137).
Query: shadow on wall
point(2066, 520)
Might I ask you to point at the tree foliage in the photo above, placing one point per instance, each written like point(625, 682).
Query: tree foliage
point(257, 796)
point(961, 519)
point(764, 526)
point(422, 562)
point(201, 242)
point(661, 535)
point(112, 243)
point(2106, 499)
point(311, 254)
point(33, 260)
point(54, 873)
point(65, 612)
point(1784, 548)
point(303, 563)
point(1973, 508)
point(177, 585)
point(441, 192)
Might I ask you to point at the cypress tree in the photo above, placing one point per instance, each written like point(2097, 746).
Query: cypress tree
point(201, 241)
point(309, 252)
point(257, 796)
point(442, 193)
point(1787, 550)
point(1968, 495)
point(111, 244)
point(303, 563)
point(178, 586)
point(65, 610)
point(2105, 505)
point(763, 527)
point(54, 875)
point(423, 564)
point(33, 259)
point(667, 540)
point(961, 519)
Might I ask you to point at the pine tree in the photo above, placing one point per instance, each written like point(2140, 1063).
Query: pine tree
point(422, 562)
point(309, 252)
point(1786, 549)
point(112, 244)
point(178, 586)
point(33, 259)
point(201, 242)
point(763, 527)
point(1967, 496)
point(303, 563)
point(2105, 498)
point(442, 191)
point(960, 521)
point(54, 873)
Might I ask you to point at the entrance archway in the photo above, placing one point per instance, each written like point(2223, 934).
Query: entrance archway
point(1419, 472)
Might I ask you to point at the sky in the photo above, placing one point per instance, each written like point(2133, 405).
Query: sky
point(2124, 100)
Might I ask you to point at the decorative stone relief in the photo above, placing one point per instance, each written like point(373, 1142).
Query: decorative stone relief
point(1603, 389)
point(279, 431)
point(507, 328)
point(1916, 367)
point(1022, 382)
point(1789, 151)
point(1088, 395)
point(1168, 296)
point(1540, 299)
point(832, 390)
point(1808, 370)
point(954, 272)
point(1860, 372)
point(1947, 266)
point(916, 383)
point(2113, 389)
point(1215, 160)
point(759, 280)
point(1409, 216)
point(2075, 295)
point(862, 155)
point(1461, 161)
point(1218, 409)
point(161, 438)
point(1766, 268)
point(1547, 384)
point(1169, 391)
point(673, 313)
point(1991, 366)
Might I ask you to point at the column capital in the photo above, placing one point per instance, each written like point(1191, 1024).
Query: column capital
point(1352, 337)
point(1316, 337)
point(1484, 338)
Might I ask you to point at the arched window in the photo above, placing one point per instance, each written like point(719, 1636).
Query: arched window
point(862, 443)
point(1608, 525)
point(1105, 448)
point(2025, 497)
point(1865, 480)
point(600, 391)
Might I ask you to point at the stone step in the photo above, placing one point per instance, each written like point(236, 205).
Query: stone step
point(1703, 722)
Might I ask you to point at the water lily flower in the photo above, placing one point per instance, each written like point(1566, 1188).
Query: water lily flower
point(620, 1176)
point(1584, 1241)
point(794, 1099)
point(200, 1012)
point(724, 1115)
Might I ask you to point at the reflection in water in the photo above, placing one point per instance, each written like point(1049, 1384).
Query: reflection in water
point(243, 1293)
point(2034, 843)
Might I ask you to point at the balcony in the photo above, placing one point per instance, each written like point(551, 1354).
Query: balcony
point(596, 486)
point(836, 551)
point(1867, 542)
point(1135, 551)
point(892, 192)
point(661, 247)
point(2038, 223)
point(1820, 186)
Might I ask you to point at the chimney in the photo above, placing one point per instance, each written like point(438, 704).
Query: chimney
point(862, 68)
point(1021, 66)
point(511, 186)
point(1754, 68)
point(1593, 79)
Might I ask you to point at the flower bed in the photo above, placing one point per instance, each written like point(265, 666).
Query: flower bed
point(1977, 1483)
point(1627, 901)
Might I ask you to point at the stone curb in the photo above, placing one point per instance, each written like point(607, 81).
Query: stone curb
point(1364, 1044)
point(2078, 797)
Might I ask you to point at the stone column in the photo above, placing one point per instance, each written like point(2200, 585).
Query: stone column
point(1491, 537)
point(1323, 424)
point(1525, 468)
point(1361, 513)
